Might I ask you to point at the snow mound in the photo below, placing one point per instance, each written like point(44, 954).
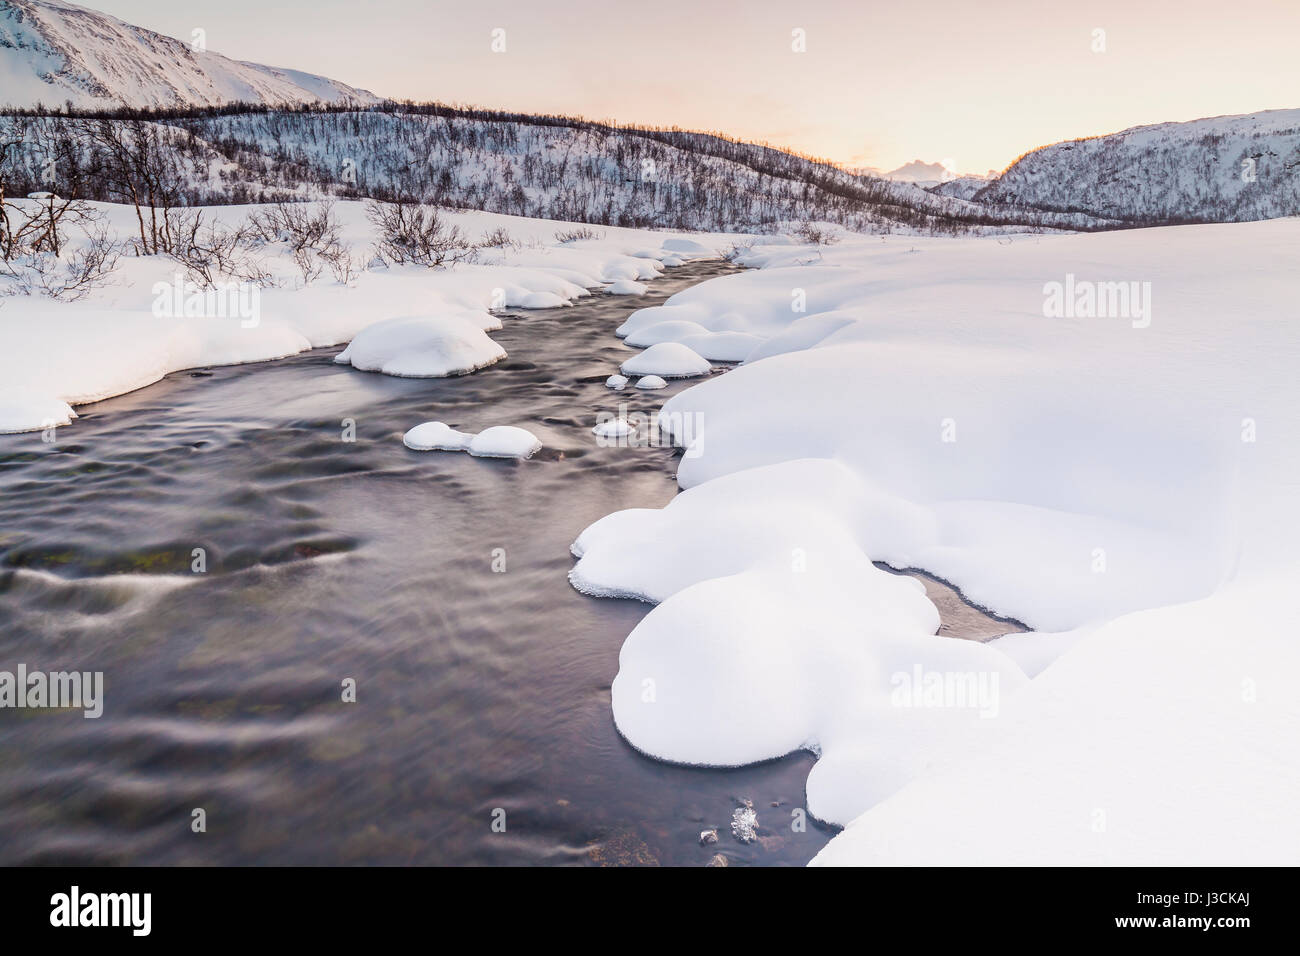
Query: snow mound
point(672, 330)
point(436, 436)
point(631, 270)
point(723, 346)
point(505, 441)
point(616, 382)
point(627, 287)
point(423, 347)
point(541, 300)
point(651, 382)
point(669, 360)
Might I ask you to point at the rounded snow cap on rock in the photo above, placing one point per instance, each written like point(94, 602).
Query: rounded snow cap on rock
point(424, 346)
point(626, 287)
point(614, 428)
point(616, 382)
point(651, 381)
point(505, 441)
point(667, 359)
point(436, 436)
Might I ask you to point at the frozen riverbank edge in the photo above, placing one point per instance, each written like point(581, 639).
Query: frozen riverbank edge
point(55, 355)
point(1126, 484)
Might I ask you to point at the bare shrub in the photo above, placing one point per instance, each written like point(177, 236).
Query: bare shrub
point(575, 235)
point(498, 238)
point(210, 252)
point(415, 233)
point(38, 256)
point(342, 264)
point(312, 235)
point(814, 234)
point(69, 276)
point(300, 225)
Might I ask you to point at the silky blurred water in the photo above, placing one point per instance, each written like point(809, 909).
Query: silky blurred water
point(326, 560)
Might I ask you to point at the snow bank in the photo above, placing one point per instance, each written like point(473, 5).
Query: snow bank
point(1165, 738)
point(774, 631)
point(23, 412)
point(1123, 482)
point(668, 360)
point(55, 354)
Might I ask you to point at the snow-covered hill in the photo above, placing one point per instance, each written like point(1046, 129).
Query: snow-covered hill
point(52, 52)
point(544, 167)
point(1224, 168)
point(963, 187)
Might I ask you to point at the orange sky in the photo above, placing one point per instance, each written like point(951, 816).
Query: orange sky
point(879, 84)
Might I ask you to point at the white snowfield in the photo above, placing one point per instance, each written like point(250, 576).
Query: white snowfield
point(417, 321)
point(1126, 480)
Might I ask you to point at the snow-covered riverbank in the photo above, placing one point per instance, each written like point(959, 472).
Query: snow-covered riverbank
point(54, 355)
point(1094, 434)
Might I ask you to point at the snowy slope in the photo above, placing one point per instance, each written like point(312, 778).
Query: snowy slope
point(1224, 168)
point(51, 51)
point(963, 187)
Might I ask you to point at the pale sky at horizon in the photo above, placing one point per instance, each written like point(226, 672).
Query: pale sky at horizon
point(879, 85)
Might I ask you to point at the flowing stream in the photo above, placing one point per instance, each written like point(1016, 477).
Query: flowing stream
point(435, 581)
point(476, 690)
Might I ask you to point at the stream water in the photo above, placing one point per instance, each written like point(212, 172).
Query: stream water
point(477, 690)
